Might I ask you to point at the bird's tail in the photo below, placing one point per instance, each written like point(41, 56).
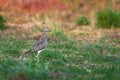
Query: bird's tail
point(25, 54)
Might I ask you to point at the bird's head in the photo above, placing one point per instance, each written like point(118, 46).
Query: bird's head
point(46, 29)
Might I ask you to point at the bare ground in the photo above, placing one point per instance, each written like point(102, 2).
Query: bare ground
point(24, 25)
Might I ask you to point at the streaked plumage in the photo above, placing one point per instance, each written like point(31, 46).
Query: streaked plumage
point(40, 45)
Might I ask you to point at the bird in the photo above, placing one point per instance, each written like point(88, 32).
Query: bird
point(39, 46)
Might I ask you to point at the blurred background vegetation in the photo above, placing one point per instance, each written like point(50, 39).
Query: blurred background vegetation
point(84, 42)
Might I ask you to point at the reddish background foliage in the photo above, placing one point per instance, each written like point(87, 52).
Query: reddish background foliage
point(33, 5)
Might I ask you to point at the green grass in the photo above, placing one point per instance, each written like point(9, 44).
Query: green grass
point(58, 33)
point(108, 18)
point(83, 21)
point(67, 60)
point(2, 23)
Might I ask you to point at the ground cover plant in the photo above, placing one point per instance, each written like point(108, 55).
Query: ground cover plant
point(73, 52)
point(67, 60)
point(83, 21)
point(108, 18)
point(2, 22)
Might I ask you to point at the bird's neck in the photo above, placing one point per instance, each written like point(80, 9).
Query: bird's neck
point(45, 35)
point(45, 38)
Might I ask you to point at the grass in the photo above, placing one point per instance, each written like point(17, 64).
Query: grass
point(59, 34)
point(83, 21)
point(2, 23)
point(67, 60)
point(108, 18)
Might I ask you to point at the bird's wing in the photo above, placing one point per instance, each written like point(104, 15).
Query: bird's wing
point(38, 46)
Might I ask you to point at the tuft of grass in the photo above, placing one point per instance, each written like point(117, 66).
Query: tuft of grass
point(83, 21)
point(108, 18)
point(2, 22)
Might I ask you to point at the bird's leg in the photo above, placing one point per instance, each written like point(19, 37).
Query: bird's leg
point(38, 53)
point(38, 56)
